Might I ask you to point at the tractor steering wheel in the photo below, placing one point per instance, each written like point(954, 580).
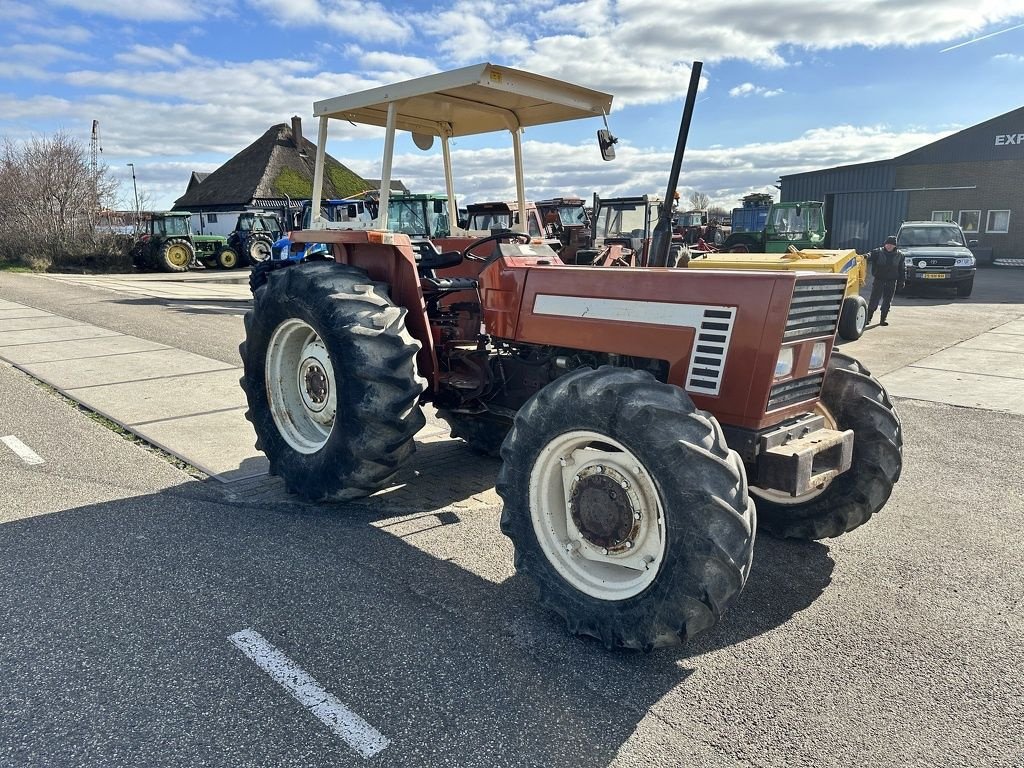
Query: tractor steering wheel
point(497, 237)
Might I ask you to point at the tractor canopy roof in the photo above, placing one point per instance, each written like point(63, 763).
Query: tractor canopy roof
point(481, 98)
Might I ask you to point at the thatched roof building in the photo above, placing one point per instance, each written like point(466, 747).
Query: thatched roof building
point(276, 167)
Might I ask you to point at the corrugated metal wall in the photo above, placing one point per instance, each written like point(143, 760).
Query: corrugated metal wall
point(861, 208)
point(862, 220)
point(869, 177)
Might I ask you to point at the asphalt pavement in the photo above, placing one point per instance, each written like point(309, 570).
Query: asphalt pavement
point(126, 575)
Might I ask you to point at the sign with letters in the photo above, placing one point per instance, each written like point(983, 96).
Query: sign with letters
point(1003, 139)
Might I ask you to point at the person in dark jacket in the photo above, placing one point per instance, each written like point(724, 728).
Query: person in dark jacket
point(889, 272)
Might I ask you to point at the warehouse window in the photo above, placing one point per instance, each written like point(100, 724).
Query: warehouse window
point(211, 218)
point(998, 221)
point(942, 215)
point(970, 220)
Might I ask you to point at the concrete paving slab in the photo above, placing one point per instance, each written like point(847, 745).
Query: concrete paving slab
point(137, 366)
point(986, 362)
point(971, 390)
point(220, 444)
point(1017, 327)
point(184, 286)
point(143, 402)
point(31, 323)
point(43, 335)
point(4, 304)
point(996, 342)
point(14, 314)
point(104, 346)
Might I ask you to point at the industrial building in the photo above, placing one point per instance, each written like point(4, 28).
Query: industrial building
point(973, 177)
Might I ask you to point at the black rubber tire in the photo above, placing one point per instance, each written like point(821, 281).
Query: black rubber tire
point(259, 272)
point(163, 257)
point(258, 248)
point(709, 518)
point(741, 244)
point(854, 310)
point(483, 433)
point(965, 288)
point(227, 258)
point(859, 402)
point(374, 361)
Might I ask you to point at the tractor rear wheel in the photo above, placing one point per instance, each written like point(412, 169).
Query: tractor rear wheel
point(626, 507)
point(175, 256)
point(227, 258)
point(258, 247)
point(331, 381)
point(853, 318)
point(851, 399)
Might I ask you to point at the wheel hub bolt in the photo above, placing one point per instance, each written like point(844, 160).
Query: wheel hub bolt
point(604, 551)
point(625, 484)
point(628, 545)
point(636, 515)
point(599, 469)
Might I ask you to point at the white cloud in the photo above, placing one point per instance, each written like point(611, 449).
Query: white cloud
point(356, 19)
point(71, 33)
point(749, 89)
point(146, 55)
point(141, 10)
point(1013, 58)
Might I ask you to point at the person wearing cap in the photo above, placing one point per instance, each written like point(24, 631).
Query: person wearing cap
point(888, 272)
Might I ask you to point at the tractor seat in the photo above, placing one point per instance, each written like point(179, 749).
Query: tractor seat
point(429, 258)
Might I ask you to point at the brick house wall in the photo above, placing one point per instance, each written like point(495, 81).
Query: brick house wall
point(983, 186)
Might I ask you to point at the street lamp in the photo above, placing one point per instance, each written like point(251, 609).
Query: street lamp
point(135, 187)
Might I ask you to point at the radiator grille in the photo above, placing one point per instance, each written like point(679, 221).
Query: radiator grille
point(795, 391)
point(815, 308)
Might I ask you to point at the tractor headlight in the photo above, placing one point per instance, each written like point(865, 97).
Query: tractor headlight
point(280, 250)
point(784, 364)
point(965, 261)
point(817, 355)
point(909, 261)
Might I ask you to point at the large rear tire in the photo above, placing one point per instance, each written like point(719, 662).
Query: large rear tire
point(175, 256)
point(854, 318)
point(331, 382)
point(852, 399)
point(626, 508)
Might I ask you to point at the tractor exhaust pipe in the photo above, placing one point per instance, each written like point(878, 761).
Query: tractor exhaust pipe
point(662, 237)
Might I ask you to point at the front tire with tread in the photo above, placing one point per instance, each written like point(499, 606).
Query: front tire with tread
point(377, 387)
point(857, 401)
point(707, 520)
point(853, 318)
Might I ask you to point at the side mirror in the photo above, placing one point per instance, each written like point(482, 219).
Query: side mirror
point(607, 143)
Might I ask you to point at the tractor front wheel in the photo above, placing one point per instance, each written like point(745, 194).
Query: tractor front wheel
point(175, 256)
point(227, 258)
point(331, 381)
point(626, 508)
point(851, 399)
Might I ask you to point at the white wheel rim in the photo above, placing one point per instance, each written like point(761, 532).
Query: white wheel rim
point(259, 251)
point(588, 543)
point(781, 497)
point(862, 317)
point(301, 386)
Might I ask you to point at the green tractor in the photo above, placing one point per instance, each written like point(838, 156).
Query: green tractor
point(167, 244)
point(798, 224)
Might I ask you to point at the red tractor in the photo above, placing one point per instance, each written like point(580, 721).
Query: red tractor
point(639, 412)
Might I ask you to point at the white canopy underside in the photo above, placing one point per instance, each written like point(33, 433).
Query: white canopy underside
point(476, 99)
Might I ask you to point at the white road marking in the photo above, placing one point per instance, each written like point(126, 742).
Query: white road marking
point(345, 723)
point(25, 453)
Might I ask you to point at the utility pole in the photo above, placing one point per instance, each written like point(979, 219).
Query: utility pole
point(136, 188)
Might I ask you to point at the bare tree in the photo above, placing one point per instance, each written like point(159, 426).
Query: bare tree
point(50, 201)
point(699, 201)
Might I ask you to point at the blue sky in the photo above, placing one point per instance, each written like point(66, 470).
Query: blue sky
point(182, 85)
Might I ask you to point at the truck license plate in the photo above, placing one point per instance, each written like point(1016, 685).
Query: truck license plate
point(934, 276)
